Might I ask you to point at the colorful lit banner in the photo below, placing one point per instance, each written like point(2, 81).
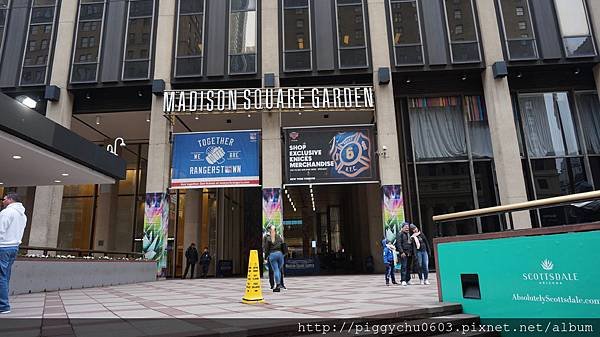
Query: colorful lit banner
point(156, 230)
point(330, 155)
point(393, 210)
point(272, 208)
point(216, 159)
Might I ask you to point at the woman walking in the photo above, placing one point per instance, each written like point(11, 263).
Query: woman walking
point(272, 248)
point(422, 252)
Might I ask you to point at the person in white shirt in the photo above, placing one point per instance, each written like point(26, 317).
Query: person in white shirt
point(12, 226)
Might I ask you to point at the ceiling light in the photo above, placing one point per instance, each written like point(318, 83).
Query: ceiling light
point(577, 71)
point(249, 115)
point(65, 174)
point(87, 95)
point(27, 101)
point(464, 77)
point(140, 93)
point(1, 183)
point(519, 75)
point(196, 117)
point(16, 157)
point(97, 120)
point(407, 81)
point(148, 118)
point(299, 113)
point(57, 181)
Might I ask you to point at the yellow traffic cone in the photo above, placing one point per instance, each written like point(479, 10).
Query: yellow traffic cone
point(253, 289)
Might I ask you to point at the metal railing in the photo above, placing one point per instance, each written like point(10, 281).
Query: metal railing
point(81, 252)
point(521, 206)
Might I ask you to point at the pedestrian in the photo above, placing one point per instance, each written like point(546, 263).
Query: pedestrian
point(272, 248)
point(205, 261)
point(12, 226)
point(191, 257)
point(404, 246)
point(388, 261)
point(422, 251)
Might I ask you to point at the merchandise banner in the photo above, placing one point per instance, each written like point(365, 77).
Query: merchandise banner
point(216, 159)
point(156, 230)
point(393, 211)
point(329, 155)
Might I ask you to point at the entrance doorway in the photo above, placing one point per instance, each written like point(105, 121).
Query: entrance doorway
point(328, 225)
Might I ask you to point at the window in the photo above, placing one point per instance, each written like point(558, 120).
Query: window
point(406, 39)
point(297, 55)
point(450, 162)
point(39, 39)
point(140, 20)
point(518, 29)
point(352, 45)
point(462, 31)
point(190, 38)
point(4, 5)
point(575, 28)
point(242, 37)
point(86, 54)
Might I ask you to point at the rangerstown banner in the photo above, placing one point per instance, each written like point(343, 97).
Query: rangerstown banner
point(216, 159)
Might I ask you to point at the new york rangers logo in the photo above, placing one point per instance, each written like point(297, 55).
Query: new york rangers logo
point(351, 153)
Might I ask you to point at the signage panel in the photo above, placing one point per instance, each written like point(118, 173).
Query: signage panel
point(326, 155)
point(216, 159)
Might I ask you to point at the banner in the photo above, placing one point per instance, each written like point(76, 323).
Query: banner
point(329, 155)
point(393, 211)
point(272, 208)
point(216, 159)
point(156, 230)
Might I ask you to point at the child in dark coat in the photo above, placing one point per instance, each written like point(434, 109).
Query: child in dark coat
point(388, 261)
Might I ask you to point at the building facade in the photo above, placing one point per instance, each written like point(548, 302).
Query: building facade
point(477, 103)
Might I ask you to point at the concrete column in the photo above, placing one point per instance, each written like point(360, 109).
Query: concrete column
point(159, 147)
point(106, 206)
point(507, 159)
point(385, 116)
point(594, 13)
point(271, 121)
point(48, 199)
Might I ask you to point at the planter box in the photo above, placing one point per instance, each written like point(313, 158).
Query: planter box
point(31, 275)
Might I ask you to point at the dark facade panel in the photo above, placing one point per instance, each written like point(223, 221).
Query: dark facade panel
point(216, 42)
point(112, 50)
point(14, 43)
point(435, 32)
point(548, 34)
point(325, 40)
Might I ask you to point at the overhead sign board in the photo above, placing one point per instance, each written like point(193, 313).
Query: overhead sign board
point(216, 159)
point(258, 99)
point(326, 155)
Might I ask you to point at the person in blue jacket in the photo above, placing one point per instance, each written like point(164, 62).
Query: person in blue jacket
point(388, 261)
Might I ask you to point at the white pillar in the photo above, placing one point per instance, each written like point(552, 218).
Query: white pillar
point(48, 199)
point(507, 159)
point(387, 132)
point(106, 206)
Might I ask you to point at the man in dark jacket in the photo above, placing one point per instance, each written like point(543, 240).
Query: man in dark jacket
point(405, 248)
point(205, 261)
point(191, 256)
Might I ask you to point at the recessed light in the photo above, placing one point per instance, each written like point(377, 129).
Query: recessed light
point(65, 174)
point(196, 117)
point(57, 181)
point(1, 183)
point(16, 157)
point(97, 120)
point(249, 115)
point(300, 113)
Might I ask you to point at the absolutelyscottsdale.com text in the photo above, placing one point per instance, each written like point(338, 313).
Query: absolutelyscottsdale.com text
point(555, 299)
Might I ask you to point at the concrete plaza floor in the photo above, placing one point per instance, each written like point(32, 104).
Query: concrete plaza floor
point(307, 297)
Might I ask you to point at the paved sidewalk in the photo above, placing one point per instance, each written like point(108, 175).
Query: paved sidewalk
point(306, 298)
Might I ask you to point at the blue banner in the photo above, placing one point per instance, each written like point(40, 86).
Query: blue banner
point(216, 159)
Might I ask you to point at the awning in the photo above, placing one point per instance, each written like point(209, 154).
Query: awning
point(35, 151)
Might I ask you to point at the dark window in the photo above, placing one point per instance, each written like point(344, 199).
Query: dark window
point(352, 45)
point(139, 43)
point(575, 28)
point(89, 36)
point(39, 40)
point(297, 35)
point(190, 38)
point(4, 4)
point(518, 29)
point(242, 37)
point(406, 38)
point(462, 31)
